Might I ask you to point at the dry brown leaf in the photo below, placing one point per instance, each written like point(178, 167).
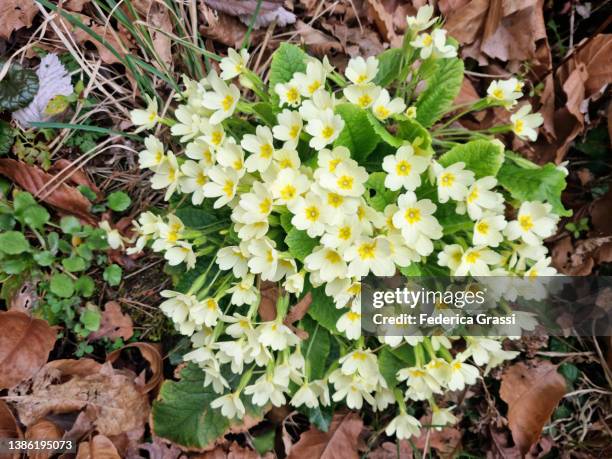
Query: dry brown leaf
point(157, 16)
point(8, 428)
point(383, 21)
point(65, 168)
point(389, 450)
point(16, 14)
point(269, 11)
point(114, 324)
point(152, 355)
point(43, 430)
point(298, 310)
point(75, 5)
point(532, 392)
point(160, 450)
point(446, 441)
point(65, 198)
point(110, 398)
point(222, 27)
point(317, 42)
point(342, 440)
point(99, 447)
point(25, 344)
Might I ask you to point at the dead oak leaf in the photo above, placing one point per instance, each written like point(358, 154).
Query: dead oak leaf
point(532, 392)
point(16, 14)
point(341, 440)
point(110, 397)
point(43, 430)
point(25, 343)
point(99, 447)
point(152, 355)
point(390, 450)
point(114, 324)
point(64, 197)
point(8, 428)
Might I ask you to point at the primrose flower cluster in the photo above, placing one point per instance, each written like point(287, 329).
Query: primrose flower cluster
point(303, 215)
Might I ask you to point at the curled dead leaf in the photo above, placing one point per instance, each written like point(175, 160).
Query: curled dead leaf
point(99, 447)
point(74, 175)
point(390, 450)
point(532, 392)
point(43, 430)
point(8, 428)
point(446, 441)
point(110, 398)
point(64, 197)
point(152, 355)
point(342, 438)
point(25, 344)
point(114, 324)
point(16, 14)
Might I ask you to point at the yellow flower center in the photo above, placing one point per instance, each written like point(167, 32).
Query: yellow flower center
point(227, 103)
point(361, 212)
point(237, 165)
point(333, 164)
point(367, 250)
point(457, 365)
point(345, 233)
point(382, 112)
point(270, 259)
point(334, 200)
point(498, 94)
point(473, 195)
point(172, 174)
point(216, 138)
point(285, 163)
point(355, 289)
point(211, 304)
point(417, 373)
point(364, 100)
point(312, 87)
point(345, 182)
point(312, 213)
point(472, 257)
point(265, 206)
point(292, 95)
point(353, 316)
point(228, 188)
point(447, 179)
point(427, 40)
point(266, 150)
point(403, 168)
point(412, 215)
point(333, 257)
point(294, 131)
point(358, 355)
point(288, 192)
point(159, 156)
point(362, 78)
point(327, 132)
point(482, 227)
point(201, 178)
point(526, 222)
point(519, 126)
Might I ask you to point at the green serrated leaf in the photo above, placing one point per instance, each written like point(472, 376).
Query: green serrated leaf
point(286, 60)
point(443, 85)
point(323, 309)
point(13, 243)
point(417, 135)
point(266, 112)
point(119, 201)
point(389, 365)
point(61, 285)
point(300, 244)
point(182, 412)
point(380, 195)
point(543, 184)
point(389, 63)
point(17, 88)
point(358, 134)
point(482, 157)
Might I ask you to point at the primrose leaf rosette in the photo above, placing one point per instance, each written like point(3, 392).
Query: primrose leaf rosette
point(308, 184)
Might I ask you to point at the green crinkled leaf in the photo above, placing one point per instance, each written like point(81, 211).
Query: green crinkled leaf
point(544, 184)
point(182, 412)
point(7, 137)
point(450, 220)
point(482, 157)
point(380, 196)
point(443, 85)
point(286, 60)
point(316, 348)
point(17, 88)
point(323, 309)
point(382, 132)
point(299, 243)
point(197, 217)
point(389, 63)
point(389, 365)
point(358, 134)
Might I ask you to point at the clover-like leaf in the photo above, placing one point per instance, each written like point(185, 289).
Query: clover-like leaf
point(17, 88)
